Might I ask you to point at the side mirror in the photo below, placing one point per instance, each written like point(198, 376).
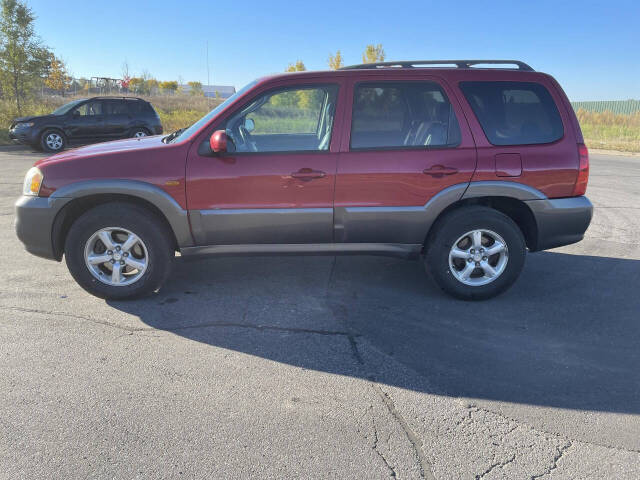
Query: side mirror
point(76, 113)
point(218, 141)
point(249, 124)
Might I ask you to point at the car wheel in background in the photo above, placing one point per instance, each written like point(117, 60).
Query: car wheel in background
point(139, 133)
point(52, 141)
point(475, 253)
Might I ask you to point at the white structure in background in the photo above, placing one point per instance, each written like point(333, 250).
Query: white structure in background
point(225, 91)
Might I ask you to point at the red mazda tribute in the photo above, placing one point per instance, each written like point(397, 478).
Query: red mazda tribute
point(467, 164)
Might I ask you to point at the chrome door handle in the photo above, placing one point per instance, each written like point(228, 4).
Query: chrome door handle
point(306, 174)
point(439, 171)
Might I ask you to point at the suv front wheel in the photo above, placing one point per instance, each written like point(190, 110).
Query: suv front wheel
point(119, 251)
point(53, 141)
point(475, 253)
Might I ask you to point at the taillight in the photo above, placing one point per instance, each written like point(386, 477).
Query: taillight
point(583, 171)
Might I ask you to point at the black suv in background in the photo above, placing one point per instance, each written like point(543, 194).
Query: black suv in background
point(86, 121)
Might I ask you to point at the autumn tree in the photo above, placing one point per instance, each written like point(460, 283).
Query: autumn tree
point(23, 57)
point(169, 86)
point(57, 78)
point(373, 54)
point(196, 89)
point(136, 84)
point(150, 86)
point(335, 61)
point(296, 67)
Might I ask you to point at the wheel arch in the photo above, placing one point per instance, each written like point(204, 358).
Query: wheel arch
point(87, 195)
point(58, 128)
point(508, 198)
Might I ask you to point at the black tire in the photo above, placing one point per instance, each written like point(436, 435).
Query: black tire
point(456, 224)
point(145, 224)
point(53, 140)
point(139, 132)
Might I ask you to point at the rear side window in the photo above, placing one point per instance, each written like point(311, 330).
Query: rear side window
point(115, 107)
point(514, 113)
point(139, 107)
point(402, 115)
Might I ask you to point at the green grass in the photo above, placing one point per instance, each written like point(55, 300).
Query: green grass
point(609, 131)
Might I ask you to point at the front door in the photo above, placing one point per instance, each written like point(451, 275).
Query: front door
point(87, 121)
point(276, 184)
point(408, 142)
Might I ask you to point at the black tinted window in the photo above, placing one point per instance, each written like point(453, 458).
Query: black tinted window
point(402, 115)
point(138, 106)
point(115, 107)
point(514, 113)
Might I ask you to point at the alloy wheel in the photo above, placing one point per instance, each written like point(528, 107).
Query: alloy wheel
point(478, 257)
point(54, 141)
point(116, 256)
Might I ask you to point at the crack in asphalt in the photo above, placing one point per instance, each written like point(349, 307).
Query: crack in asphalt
point(349, 335)
point(375, 446)
point(496, 465)
point(425, 467)
point(556, 458)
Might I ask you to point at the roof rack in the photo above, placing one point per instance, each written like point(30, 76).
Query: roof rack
point(458, 63)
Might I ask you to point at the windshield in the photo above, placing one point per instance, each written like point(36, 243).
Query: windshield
point(209, 116)
point(65, 108)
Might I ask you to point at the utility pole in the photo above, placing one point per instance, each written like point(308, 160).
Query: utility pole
point(208, 101)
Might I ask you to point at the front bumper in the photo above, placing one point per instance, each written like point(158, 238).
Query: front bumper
point(34, 223)
point(23, 136)
point(560, 221)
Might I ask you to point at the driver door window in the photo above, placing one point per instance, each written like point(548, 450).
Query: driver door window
point(285, 120)
point(90, 109)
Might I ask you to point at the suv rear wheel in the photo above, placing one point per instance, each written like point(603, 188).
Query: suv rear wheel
point(475, 253)
point(139, 133)
point(118, 251)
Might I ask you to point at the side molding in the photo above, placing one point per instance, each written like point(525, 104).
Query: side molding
point(176, 216)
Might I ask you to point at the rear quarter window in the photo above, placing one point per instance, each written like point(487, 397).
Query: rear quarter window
point(514, 113)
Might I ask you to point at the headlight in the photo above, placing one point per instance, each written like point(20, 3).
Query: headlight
point(32, 182)
point(24, 125)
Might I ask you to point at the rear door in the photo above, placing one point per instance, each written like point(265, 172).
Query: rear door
point(277, 186)
point(408, 141)
point(117, 118)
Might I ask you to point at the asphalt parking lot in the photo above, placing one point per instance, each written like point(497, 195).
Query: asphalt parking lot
point(323, 367)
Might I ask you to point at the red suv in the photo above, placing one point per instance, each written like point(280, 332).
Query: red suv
point(467, 163)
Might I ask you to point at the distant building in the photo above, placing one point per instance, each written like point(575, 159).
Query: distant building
point(225, 91)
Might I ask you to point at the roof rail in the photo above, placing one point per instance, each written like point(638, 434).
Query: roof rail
point(458, 63)
point(114, 97)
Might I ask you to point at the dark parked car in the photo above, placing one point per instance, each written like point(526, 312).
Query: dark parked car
point(87, 121)
point(466, 167)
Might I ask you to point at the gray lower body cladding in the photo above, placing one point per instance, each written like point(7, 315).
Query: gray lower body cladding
point(561, 221)
point(395, 231)
point(34, 223)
